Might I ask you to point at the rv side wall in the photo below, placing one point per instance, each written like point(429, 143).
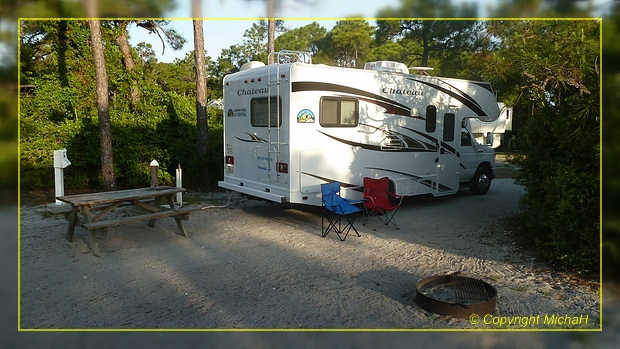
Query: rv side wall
point(291, 127)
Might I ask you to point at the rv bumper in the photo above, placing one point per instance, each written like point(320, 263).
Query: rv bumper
point(253, 192)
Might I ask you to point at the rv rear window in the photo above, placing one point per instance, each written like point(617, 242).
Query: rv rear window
point(260, 108)
point(339, 112)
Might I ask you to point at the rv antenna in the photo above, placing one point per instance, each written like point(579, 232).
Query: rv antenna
point(423, 70)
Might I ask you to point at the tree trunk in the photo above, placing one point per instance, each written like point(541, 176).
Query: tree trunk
point(107, 164)
point(201, 95)
point(424, 62)
point(123, 44)
point(271, 39)
point(271, 30)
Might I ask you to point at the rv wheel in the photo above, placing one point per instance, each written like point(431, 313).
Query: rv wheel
point(481, 182)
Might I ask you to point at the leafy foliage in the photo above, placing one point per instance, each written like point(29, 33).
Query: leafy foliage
point(59, 111)
point(305, 39)
point(348, 43)
point(611, 145)
point(431, 36)
point(555, 63)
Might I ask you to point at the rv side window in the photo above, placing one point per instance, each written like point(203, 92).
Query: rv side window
point(261, 107)
point(339, 112)
point(448, 127)
point(431, 118)
point(465, 138)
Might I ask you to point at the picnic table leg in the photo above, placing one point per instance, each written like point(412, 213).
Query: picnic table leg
point(156, 203)
point(94, 243)
point(179, 221)
point(72, 221)
point(180, 226)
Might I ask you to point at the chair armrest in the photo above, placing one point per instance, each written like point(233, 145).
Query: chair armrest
point(355, 202)
point(368, 199)
point(396, 197)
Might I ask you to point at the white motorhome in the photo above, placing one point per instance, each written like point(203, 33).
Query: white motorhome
point(490, 131)
point(293, 125)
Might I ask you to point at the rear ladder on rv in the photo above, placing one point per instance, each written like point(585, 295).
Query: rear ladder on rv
point(273, 82)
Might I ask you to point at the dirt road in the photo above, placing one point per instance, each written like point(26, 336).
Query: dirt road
point(257, 265)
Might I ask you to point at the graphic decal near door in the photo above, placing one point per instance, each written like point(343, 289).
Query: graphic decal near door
point(305, 116)
point(253, 139)
point(393, 141)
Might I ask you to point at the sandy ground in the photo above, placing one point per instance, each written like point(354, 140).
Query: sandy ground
point(256, 265)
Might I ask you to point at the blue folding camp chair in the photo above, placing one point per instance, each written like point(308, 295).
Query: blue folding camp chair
point(337, 208)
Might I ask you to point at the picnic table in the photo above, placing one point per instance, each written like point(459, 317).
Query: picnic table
point(147, 198)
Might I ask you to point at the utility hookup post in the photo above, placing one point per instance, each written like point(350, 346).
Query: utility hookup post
point(60, 162)
point(179, 185)
point(154, 173)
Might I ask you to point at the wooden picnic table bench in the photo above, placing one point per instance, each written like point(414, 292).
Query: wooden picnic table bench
point(146, 198)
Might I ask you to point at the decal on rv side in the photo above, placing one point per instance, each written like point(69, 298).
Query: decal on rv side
point(242, 112)
point(459, 95)
point(392, 107)
point(398, 91)
point(409, 144)
point(305, 116)
point(427, 182)
point(252, 91)
point(253, 139)
point(406, 140)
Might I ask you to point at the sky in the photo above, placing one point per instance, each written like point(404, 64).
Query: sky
point(227, 20)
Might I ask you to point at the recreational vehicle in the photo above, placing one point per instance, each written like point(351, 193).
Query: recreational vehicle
point(291, 126)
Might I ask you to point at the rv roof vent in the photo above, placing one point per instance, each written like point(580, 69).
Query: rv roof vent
point(390, 66)
point(251, 65)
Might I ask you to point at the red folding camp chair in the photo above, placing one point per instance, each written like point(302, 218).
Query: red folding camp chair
point(377, 201)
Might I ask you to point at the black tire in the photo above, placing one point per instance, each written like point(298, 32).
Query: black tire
point(481, 182)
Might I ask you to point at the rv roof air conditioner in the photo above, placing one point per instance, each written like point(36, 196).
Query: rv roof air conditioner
point(387, 66)
point(251, 65)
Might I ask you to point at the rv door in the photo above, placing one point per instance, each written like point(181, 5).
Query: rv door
point(469, 155)
point(448, 162)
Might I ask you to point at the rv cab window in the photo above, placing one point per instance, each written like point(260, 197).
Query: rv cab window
point(339, 112)
point(260, 108)
point(465, 137)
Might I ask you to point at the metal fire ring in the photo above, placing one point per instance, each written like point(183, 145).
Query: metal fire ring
point(470, 296)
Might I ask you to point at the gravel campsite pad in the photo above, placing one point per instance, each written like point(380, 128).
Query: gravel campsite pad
point(256, 265)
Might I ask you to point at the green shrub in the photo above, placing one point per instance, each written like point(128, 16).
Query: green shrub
point(561, 212)
point(561, 174)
